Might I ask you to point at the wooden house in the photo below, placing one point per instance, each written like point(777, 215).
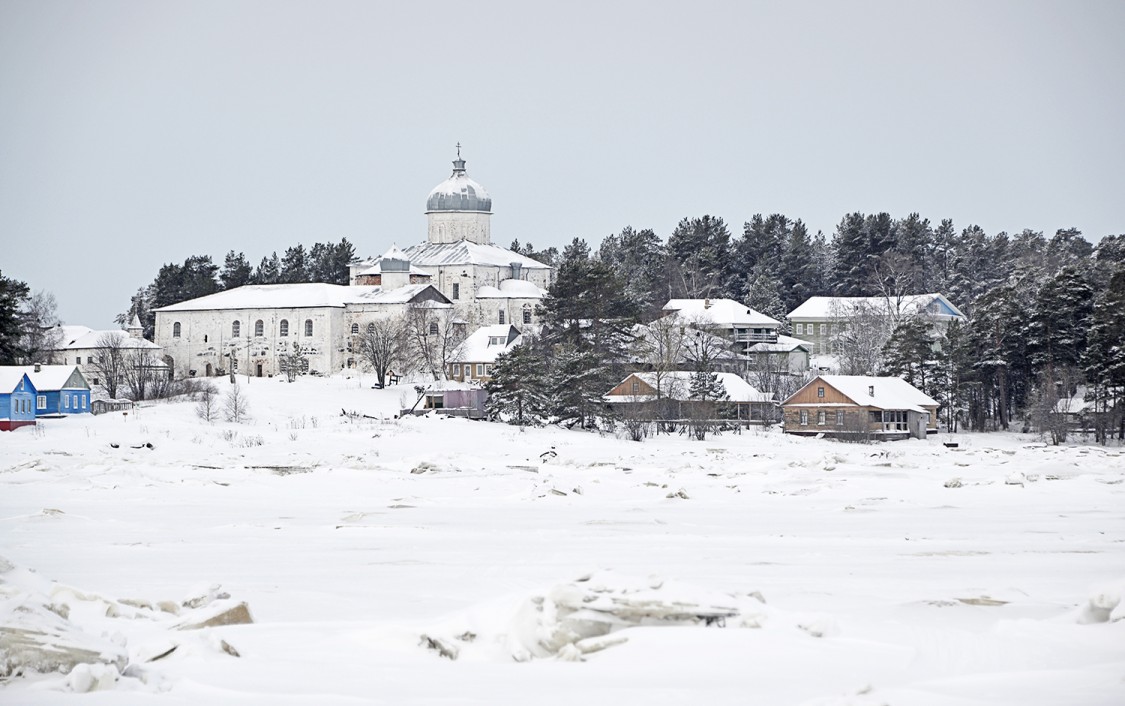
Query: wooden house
point(17, 399)
point(668, 396)
point(60, 390)
point(474, 358)
point(857, 405)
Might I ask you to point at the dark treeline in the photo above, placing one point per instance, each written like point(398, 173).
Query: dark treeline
point(199, 276)
point(1045, 313)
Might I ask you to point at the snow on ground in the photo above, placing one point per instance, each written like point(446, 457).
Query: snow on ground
point(551, 566)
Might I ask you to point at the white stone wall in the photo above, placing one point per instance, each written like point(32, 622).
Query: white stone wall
point(206, 338)
point(455, 226)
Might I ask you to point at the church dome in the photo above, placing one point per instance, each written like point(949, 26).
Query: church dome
point(459, 192)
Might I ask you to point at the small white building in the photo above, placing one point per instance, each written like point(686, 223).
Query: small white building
point(476, 356)
point(82, 346)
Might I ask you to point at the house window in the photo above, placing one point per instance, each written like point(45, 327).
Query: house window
point(176, 330)
point(41, 402)
point(804, 417)
point(636, 387)
point(501, 316)
point(824, 329)
point(456, 290)
point(65, 402)
point(456, 370)
point(371, 327)
point(259, 328)
point(800, 328)
point(308, 327)
point(527, 313)
point(83, 401)
point(283, 327)
point(820, 392)
point(433, 328)
point(78, 360)
point(820, 418)
point(355, 329)
point(839, 417)
point(480, 370)
point(236, 329)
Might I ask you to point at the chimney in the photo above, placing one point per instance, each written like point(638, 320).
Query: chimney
point(38, 367)
point(871, 391)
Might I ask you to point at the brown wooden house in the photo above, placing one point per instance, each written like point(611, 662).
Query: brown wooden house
point(884, 408)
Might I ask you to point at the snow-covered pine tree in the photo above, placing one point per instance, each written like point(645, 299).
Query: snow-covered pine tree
point(517, 390)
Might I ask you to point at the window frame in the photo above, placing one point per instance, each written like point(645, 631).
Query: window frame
point(283, 328)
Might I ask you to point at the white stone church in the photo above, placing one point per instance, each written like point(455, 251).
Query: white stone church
point(457, 273)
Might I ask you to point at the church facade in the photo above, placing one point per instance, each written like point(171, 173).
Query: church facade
point(456, 276)
point(487, 284)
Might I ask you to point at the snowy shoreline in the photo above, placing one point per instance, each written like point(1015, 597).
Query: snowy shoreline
point(352, 540)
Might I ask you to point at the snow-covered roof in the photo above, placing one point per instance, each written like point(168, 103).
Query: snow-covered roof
point(934, 304)
point(468, 253)
point(720, 312)
point(274, 296)
point(307, 295)
point(375, 267)
point(512, 289)
point(10, 376)
point(56, 377)
point(487, 342)
point(401, 295)
point(890, 392)
point(677, 384)
point(784, 344)
point(90, 338)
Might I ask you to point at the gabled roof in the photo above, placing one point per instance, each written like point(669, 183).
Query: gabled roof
point(10, 376)
point(933, 304)
point(720, 312)
point(394, 253)
point(468, 253)
point(477, 348)
point(890, 392)
point(677, 384)
point(56, 377)
point(89, 338)
point(785, 344)
point(401, 295)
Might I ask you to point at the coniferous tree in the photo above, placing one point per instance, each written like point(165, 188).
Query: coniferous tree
point(1104, 360)
point(517, 389)
point(640, 260)
point(1057, 335)
point(699, 254)
point(236, 270)
point(587, 323)
point(13, 295)
point(850, 273)
point(295, 265)
point(914, 240)
point(800, 274)
point(268, 271)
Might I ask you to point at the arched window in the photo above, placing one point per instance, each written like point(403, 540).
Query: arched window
point(284, 328)
point(308, 327)
point(176, 330)
point(259, 328)
point(433, 328)
point(371, 327)
point(501, 316)
point(236, 329)
point(527, 313)
point(355, 330)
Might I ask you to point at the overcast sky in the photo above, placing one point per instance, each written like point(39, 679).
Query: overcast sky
point(133, 134)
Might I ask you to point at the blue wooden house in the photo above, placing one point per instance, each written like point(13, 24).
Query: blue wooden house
point(60, 390)
point(17, 399)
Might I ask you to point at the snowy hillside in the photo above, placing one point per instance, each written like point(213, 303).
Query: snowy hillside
point(443, 561)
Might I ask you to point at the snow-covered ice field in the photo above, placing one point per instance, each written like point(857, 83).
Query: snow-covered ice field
point(750, 568)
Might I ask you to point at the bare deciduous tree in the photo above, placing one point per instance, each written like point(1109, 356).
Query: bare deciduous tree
point(207, 408)
point(235, 405)
point(860, 332)
point(436, 337)
point(382, 345)
point(109, 361)
point(41, 336)
point(143, 373)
